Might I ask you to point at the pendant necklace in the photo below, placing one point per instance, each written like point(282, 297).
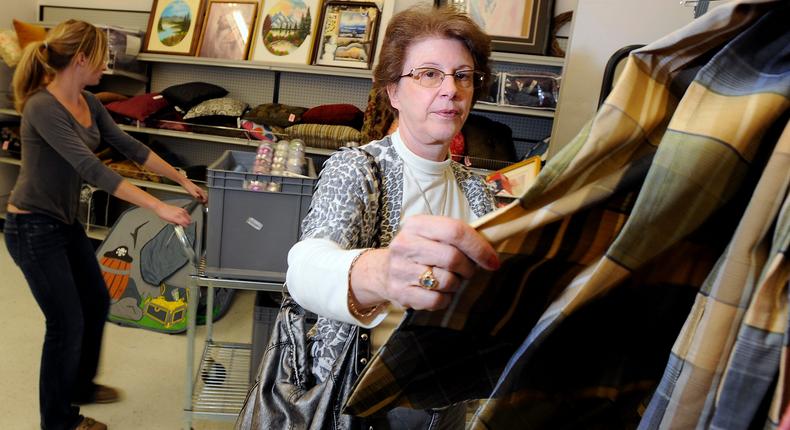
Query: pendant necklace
point(422, 193)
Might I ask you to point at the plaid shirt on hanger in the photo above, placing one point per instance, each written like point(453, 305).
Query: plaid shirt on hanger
point(603, 256)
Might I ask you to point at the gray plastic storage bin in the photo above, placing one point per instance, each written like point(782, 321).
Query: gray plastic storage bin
point(250, 232)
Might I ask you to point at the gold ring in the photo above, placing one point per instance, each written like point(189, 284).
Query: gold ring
point(427, 280)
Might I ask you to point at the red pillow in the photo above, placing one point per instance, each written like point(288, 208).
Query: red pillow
point(139, 107)
point(334, 114)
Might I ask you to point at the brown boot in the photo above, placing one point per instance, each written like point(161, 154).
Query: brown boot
point(101, 394)
point(88, 423)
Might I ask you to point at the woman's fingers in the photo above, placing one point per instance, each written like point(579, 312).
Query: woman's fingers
point(416, 249)
point(455, 233)
point(441, 250)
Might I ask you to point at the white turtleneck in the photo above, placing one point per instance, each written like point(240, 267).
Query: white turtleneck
point(317, 274)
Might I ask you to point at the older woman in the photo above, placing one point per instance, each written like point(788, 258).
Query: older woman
point(387, 229)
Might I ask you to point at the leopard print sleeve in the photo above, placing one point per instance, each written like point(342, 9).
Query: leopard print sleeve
point(345, 201)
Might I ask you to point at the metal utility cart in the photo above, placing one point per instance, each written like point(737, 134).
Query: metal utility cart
point(217, 392)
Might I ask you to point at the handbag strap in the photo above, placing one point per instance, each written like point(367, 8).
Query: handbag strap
point(362, 349)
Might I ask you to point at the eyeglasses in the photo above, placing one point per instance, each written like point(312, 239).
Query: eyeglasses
point(429, 77)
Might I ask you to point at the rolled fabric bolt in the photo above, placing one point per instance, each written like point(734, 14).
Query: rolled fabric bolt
point(273, 187)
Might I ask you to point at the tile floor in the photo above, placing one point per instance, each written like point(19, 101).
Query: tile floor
point(147, 366)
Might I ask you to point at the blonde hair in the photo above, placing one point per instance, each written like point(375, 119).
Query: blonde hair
point(42, 60)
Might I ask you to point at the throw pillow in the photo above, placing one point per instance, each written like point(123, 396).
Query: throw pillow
point(488, 143)
point(9, 47)
point(139, 107)
point(323, 135)
point(257, 131)
point(27, 33)
point(184, 96)
point(334, 114)
point(225, 106)
point(276, 114)
point(378, 117)
point(109, 97)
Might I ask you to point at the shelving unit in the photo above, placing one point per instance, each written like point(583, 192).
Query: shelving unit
point(210, 138)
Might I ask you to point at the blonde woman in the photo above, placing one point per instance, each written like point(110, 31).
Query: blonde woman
point(61, 126)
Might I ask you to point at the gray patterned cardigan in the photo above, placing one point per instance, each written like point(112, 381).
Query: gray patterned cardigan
point(353, 208)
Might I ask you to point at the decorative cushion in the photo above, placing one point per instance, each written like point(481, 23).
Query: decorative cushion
point(225, 106)
point(334, 114)
point(487, 141)
point(139, 107)
point(184, 96)
point(27, 33)
point(109, 97)
point(276, 114)
point(257, 131)
point(323, 135)
point(9, 47)
point(378, 117)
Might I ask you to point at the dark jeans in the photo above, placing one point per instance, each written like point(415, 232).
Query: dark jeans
point(61, 269)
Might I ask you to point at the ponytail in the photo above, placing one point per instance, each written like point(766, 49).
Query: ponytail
point(42, 60)
point(31, 73)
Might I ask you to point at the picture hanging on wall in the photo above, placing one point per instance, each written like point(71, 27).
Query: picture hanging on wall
point(347, 34)
point(227, 29)
point(174, 27)
point(520, 26)
point(285, 31)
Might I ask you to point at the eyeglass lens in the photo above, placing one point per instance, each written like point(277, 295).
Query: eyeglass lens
point(432, 78)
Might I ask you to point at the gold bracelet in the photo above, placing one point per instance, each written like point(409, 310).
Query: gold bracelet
point(352, 301)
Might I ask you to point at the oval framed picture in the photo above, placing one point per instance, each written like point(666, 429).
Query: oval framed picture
point(174, 27)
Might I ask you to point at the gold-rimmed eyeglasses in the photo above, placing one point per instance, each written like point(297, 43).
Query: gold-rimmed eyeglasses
point(429, 77)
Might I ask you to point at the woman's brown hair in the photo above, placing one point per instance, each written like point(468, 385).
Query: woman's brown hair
point(423, 22)
point(41, 60)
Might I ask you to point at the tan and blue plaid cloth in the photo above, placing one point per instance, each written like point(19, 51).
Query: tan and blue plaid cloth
point(654, 242)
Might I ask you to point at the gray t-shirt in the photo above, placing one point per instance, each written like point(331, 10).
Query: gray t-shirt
point(57, 155)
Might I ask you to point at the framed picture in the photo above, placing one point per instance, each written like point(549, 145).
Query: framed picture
point(347, 34)
point(174, 26)
point(227, 29)
point(514, 180)
point(520, 26)
point(285, 31)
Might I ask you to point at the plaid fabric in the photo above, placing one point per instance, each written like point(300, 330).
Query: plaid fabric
point(603, 256)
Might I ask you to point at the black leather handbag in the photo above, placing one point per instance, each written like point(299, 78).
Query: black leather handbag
point(287, 393)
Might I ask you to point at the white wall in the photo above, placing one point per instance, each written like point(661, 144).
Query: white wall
point(23, 10)
point(601, 27)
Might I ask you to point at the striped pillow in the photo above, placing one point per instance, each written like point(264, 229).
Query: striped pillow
point(324, 136)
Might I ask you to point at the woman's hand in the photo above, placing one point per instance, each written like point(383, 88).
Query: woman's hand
point(173, 214)
point(449, 247)
point(196, 192)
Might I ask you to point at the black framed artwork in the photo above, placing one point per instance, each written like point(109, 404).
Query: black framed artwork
point(520, 26)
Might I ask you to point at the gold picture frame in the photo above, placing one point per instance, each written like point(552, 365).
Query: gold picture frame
point(227, 29)
point(174, 27)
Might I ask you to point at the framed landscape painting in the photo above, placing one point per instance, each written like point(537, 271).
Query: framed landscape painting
point(174, 26)
point(347, 34)
point(285, 31)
